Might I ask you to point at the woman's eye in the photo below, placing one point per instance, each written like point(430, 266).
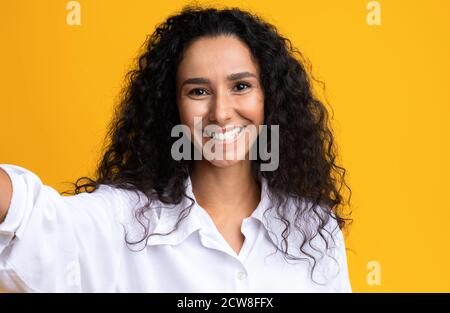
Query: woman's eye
point(195, 92)
point(242, 86)
point(202, 92)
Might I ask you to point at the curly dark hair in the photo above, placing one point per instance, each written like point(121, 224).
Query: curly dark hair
point(138, 143)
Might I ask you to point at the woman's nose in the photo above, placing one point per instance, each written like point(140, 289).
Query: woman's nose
point(221, 109)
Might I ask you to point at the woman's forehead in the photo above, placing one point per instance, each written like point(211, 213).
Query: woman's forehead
point(210, 55)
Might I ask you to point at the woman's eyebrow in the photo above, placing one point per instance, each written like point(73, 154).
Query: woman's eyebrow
point(202, 80)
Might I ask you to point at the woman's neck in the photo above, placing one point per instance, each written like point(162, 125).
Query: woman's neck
point(225, 193)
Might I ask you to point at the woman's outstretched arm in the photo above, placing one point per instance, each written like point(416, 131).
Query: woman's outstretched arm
point(5, 194)
point(51, 243)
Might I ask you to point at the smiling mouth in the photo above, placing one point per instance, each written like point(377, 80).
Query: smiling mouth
point(228, 135)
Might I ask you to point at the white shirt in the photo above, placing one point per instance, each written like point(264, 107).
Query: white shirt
point(54, 243)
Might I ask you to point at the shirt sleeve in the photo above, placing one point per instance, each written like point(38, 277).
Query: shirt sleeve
point(54, 243)
point(341, 281)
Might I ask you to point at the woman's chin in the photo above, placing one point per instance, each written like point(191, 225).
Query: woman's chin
point(224, 163)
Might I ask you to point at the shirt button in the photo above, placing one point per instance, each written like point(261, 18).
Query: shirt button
point(241, 275)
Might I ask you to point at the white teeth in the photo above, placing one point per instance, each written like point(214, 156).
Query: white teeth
point(231, 134)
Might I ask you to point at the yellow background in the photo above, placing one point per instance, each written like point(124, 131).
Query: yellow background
point(389, 86)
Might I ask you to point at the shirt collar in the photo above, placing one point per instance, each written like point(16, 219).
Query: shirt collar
point(197, 218)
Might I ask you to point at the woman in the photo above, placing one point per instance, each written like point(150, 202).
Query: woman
point(152, 221)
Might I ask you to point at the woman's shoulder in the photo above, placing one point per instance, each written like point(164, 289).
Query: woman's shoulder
point(305, 220)
point(112, 197)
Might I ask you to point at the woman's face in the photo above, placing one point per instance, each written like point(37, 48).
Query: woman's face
point(220, 98)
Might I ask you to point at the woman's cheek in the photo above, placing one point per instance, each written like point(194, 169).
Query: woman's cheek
point(252, 108)
point(189, 111)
